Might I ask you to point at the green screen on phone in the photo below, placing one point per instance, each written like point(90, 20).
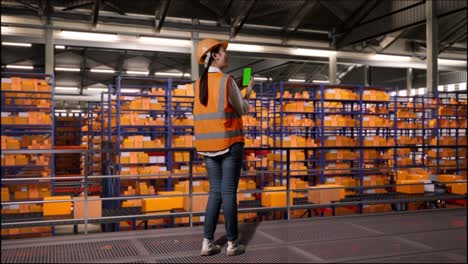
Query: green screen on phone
point(246, 77)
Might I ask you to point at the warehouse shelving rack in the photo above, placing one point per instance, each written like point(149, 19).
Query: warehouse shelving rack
point(282, 131)
point(27, 130)
point(324, 107)
point(13, 101)
point(455, 125)
point(415, 105)
point(174, 106)
point(262, 112)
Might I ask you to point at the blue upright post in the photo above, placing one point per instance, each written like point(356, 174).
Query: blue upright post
point(169, 139)
point(322, 134)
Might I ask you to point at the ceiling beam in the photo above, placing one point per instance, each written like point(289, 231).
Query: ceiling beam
point(318, 69)
point(455, 39)
point(219, 15)
point(160, 14)
point(454, 28)
point(341, 15)
point(95, 14)
point(71, 7)
point(29, 6)
point(226, 10)
point(388, 40)
point(353, 20)
point(240, 20)
point(114, 7)
point(297, 19)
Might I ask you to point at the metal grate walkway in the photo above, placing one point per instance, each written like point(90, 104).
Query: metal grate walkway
point(437, 236)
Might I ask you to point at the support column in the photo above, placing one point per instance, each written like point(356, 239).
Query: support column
point(332, 69)
point(367, 75)
point(432, 44)
point(49, 51)
point(409, 80)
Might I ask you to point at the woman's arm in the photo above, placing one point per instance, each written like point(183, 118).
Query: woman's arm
point(240, 105)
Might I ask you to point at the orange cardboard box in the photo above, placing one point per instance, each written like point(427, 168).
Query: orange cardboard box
point(319, 195)
point(59, 208)
point(94, 207)
point(272, 199)
point(458, 188)
point(163, 203)
point(410, 189)
point(199, 202)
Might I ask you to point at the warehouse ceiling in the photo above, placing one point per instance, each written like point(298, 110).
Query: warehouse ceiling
point(339, 24)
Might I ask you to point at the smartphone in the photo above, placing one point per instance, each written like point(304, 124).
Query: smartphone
point(246, 77)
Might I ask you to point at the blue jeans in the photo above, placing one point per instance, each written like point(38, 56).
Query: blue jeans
point(223, 172)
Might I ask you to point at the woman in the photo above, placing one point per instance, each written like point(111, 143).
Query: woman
point(217, 112)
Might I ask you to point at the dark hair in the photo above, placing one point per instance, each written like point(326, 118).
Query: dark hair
point(204, 78)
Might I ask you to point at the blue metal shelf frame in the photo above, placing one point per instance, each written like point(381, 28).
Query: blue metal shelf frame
point(167, 131)
point(440, 97)
point(31, 129)
point(354, 108)
point(50, 79)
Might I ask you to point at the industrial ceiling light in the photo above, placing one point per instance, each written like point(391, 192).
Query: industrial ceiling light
point(102, 71)
point(451, 62)
point(440, 88)
point(16, 44)
point(174, 74)
point(166, 41)
point(59, 46)
point(258, 78)
point(76, 111)
point(137, 72)
point(25, 67)
point(320, 81)
point(421, 91)
point(402, 93)
point(384, 57)
point(187, 75)
point(245, 47)
point(296, 80)
point(451, 87)
point(462, 86)
point(67, 69)
point(60, 110)
point(312, 52)
point(88, 36)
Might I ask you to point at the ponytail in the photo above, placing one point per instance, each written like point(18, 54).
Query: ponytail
point(203, 94)
point(204, 84)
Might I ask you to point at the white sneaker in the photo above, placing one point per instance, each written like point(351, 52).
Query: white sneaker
point(234, 248)
point(209, 248)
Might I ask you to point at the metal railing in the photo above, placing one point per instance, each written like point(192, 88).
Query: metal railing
point(191, 175)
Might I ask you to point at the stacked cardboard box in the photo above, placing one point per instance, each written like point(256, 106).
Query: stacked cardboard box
point(375, 95)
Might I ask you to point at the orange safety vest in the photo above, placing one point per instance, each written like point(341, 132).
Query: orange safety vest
point(217, 126)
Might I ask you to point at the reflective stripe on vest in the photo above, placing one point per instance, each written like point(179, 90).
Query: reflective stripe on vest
point(217, 135)
point(215, 116)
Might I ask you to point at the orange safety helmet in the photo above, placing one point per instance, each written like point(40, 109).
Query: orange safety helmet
point(206, 46)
